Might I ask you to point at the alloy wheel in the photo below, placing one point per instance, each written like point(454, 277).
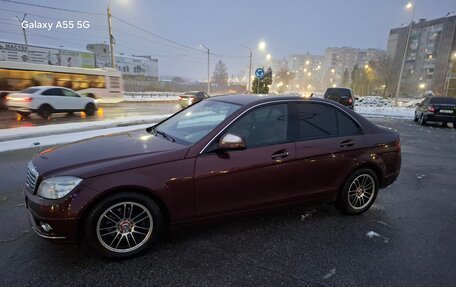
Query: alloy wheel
point(124, 227)
point(361, 191)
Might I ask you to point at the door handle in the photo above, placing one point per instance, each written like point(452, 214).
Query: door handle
point(347, 143)
point(280, 155)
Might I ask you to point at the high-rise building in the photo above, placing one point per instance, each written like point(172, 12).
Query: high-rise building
point(428, 54)
point(307, 69)
point(339, 59)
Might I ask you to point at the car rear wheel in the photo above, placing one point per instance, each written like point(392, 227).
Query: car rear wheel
point(422, 121)
point(123, 225)
point(45, 111)
point(90, 109)
point(359, 192)
point(415, 118)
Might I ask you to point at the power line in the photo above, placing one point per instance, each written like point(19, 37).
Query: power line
point(53, 8)
point(156, 35)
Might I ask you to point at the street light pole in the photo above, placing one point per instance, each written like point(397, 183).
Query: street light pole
point(25, 37)
point(208, 75)
point(111, 37)
point(250, 67)
point(405, 53)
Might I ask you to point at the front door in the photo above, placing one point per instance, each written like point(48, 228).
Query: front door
point(260, 175)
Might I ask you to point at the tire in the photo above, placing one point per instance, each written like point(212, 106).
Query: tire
point(422, 121)
point(415, 118)
point(24, 114)
point(45, 111)
point(90, 109)
point(359, 192)
point(445, 124)
point(128, 231)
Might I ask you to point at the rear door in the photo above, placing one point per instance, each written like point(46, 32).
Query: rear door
point(257, 176)
point(53, 97)
point(327, 140)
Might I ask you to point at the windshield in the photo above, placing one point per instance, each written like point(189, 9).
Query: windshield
point(192, 124)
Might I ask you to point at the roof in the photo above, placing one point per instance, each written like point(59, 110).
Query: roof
point(244, 99)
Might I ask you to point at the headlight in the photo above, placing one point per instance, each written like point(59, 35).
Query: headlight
point(57, 187)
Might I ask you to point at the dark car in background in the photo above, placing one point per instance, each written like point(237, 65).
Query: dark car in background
point(343, 96)
point(224, 156)
point(436, 109)
point(192, 97)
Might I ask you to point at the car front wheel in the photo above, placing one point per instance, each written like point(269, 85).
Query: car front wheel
point(359, 192)
point(123, 225)
point(90, 109)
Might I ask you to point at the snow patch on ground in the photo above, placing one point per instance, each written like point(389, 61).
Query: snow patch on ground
point(39, 130)
point(51, 140)
point(386, 112)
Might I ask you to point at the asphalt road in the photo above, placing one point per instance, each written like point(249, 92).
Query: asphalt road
point(414, 243)
point(9, 119)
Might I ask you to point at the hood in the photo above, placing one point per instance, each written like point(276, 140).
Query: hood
point(106, 154)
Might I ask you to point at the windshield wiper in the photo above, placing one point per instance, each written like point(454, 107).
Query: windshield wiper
point(163, 134)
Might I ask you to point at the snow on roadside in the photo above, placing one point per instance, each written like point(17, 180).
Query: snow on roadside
point(64, 138)
point(386, 112)
point(37, 130)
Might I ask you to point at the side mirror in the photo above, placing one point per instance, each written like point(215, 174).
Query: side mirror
point(231, 142)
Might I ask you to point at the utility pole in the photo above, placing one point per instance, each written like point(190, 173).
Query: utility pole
point(25, 37)
point(250, 68)
point(208, 75)
point(111, 37)
point(398, 88)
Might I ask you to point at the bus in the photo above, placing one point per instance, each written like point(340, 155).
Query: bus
point(104, 84)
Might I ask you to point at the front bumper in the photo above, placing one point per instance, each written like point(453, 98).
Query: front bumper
point(63, 229)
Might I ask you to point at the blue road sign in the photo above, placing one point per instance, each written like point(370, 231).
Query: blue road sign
point(259, 73)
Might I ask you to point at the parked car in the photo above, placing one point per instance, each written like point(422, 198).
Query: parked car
point(224, 156)
point(45, 100)
point(192, 97)
point(343, 96)
point(436, 109)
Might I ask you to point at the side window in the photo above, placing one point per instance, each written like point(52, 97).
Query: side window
point(346, 126)
point(425, 102)
point(68, 93)
point(52, 92)
point(316, 121)
point(262, 126)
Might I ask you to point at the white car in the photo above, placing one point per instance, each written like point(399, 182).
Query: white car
point(45, 100)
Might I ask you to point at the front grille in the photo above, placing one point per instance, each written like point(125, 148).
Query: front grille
point(32, 178)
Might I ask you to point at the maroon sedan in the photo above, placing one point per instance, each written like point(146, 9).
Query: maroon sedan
point(223, 156)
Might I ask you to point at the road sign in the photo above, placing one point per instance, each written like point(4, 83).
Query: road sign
point(259, 73)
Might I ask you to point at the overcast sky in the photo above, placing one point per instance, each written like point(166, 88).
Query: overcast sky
point(287, 27)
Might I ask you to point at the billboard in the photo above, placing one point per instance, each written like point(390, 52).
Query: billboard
point(18, 53)
point(14, 52)
point(137, 66)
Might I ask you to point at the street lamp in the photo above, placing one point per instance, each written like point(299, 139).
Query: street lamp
point(410, 5)
point(261, 46)
point(268, 57)
point(208, 76)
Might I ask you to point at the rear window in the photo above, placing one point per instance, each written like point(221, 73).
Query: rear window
point(29, 90)
point(443, 100)
point(342, 93)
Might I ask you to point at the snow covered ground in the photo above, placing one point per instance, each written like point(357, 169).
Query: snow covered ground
point(26, 132)
point(42, 141)
point(386, 112)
